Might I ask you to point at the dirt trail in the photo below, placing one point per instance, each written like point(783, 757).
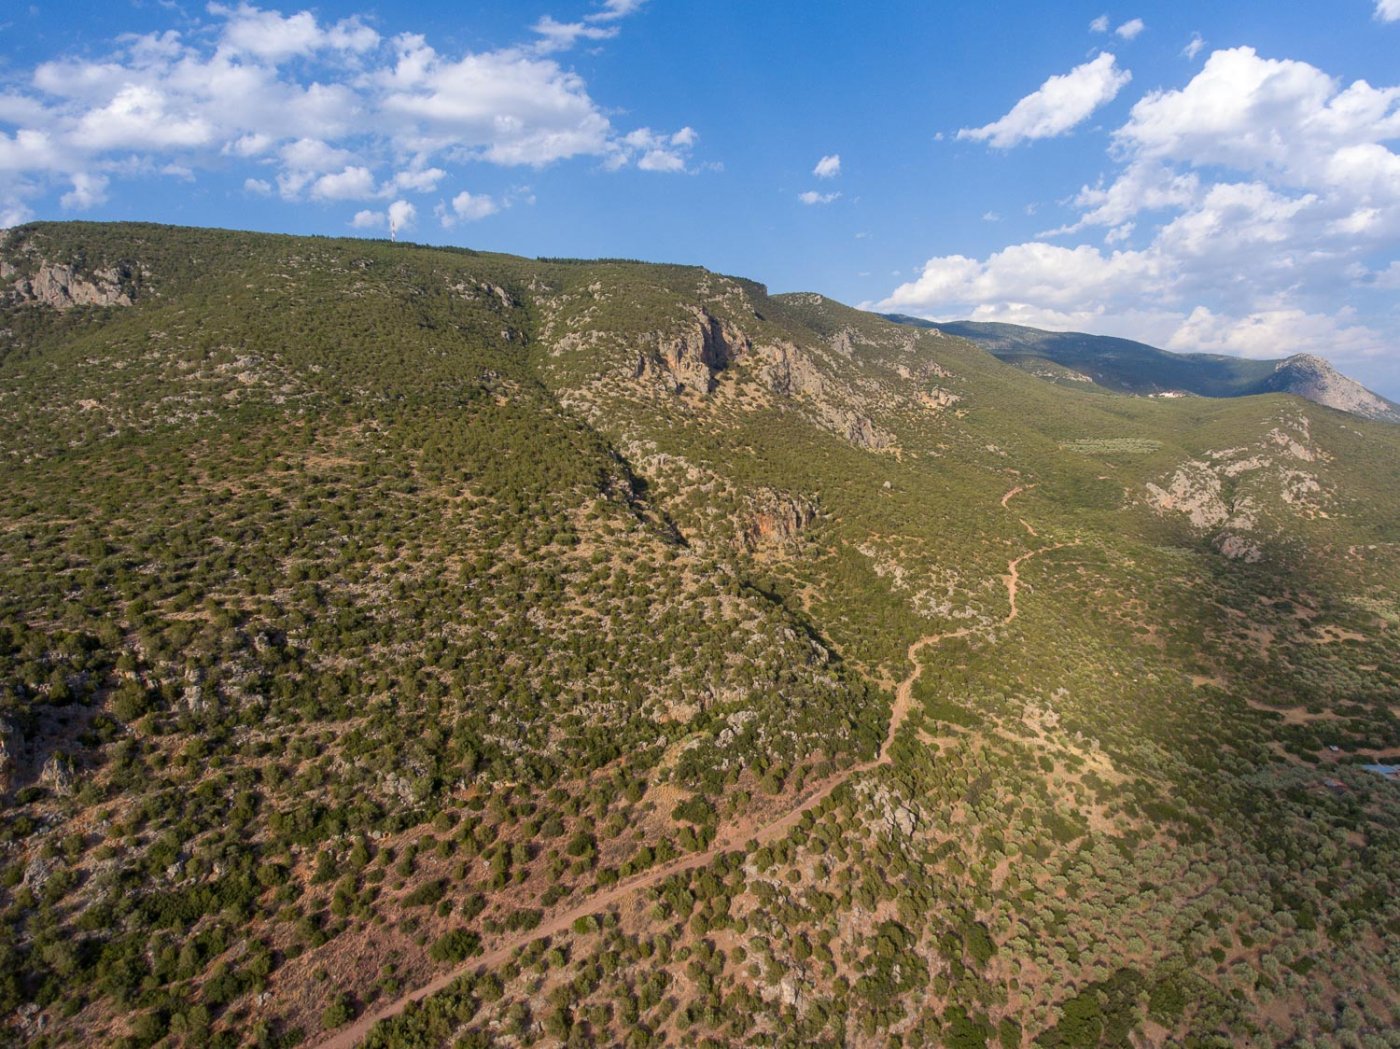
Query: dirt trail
point(733, 838)
point(1011, 495)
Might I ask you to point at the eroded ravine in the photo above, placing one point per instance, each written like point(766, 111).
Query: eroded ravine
point(735, 837)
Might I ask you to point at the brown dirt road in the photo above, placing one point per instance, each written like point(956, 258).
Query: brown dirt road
point(734, 837)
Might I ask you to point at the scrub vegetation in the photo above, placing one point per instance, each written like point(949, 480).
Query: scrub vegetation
point(632, 657)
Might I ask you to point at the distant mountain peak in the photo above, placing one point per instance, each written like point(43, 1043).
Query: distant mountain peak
point(1136, 368)
point(1315, 379)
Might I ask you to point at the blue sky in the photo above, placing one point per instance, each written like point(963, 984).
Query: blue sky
point(1217, 176)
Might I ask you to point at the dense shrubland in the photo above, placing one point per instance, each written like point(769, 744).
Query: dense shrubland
point(362, 606)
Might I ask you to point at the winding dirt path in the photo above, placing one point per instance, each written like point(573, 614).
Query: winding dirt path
point(734, 837)
point(1011, 495)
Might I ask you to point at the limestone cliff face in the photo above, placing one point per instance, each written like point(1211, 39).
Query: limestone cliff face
point(691, 360)
point(63, 287)
point(1314, 379)
point(775, 522)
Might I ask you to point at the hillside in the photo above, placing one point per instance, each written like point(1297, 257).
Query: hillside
point(611, 653)
point(1125, 366)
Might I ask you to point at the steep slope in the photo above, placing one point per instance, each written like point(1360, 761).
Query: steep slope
point(1134, 367)
point(625, 654)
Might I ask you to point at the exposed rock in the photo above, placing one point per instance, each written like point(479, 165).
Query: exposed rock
point(790, 993)
point(843, 342)
point(11, 741)
point(1195, 491)
point(776, 521)
point(62, 287)
point(938, 399)
point(58, 774)
point(863, 433)
point(692, 359)
point(1237, 548)
point(789, 372)
point(1314, 379)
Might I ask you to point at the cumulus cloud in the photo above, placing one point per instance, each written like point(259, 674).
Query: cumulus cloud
point(1240, 208)
point(1275, 333)
point(1099, 25)
point(1129, 30)
point(402, 215)
point(1281, 117)
point(652, 151)
point(270, 35)
point(1193, 47)
point(1388, 10)
point(88, 191)
point(353, 183)
point(813, 197)
point(467, 207)
point(329, 110)
point(828, 166)
point(1059, 104)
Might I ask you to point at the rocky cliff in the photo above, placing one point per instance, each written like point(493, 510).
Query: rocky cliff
point(1314, 379)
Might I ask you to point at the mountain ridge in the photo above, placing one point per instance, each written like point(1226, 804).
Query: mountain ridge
point(1127, 366)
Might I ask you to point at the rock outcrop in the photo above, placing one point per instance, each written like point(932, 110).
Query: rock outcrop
point(692, 359)
point(1314, 379)
point(63, 287)
point(776, 521)
point(10, 743)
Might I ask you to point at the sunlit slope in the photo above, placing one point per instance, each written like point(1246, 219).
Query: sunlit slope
point(368, 610)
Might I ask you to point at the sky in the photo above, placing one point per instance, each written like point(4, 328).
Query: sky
point(1218, 177)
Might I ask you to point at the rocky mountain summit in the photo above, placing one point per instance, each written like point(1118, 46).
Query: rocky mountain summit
point(1315, 379)
point(1136, 368)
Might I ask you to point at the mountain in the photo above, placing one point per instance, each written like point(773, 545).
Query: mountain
point(413, 646)
point(1131, 367)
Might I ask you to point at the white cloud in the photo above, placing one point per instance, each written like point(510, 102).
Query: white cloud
point(1058, 105)
point(402, 215)
point(1388, 10)
point(369, 220)
point(88, 191)
point(353, 183)
point(14, 215)
point(415, 180)
point(509, 109)
point(1144, 186)
point(325, 108)
point(1193, 47)
point(1099, 25)
point(813, 197)
point(468, 207)
point(1129, 30)
point(560, 36)
point(653, 151)
point(1241, 208)
point(270, 35)
point(1284, 118)
point(1388, 278)
point(1276, 333)
point(258, 187)
point(828, 166)
point(613, 9)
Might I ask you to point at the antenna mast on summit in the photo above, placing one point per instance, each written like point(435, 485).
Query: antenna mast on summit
point(393, 231)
